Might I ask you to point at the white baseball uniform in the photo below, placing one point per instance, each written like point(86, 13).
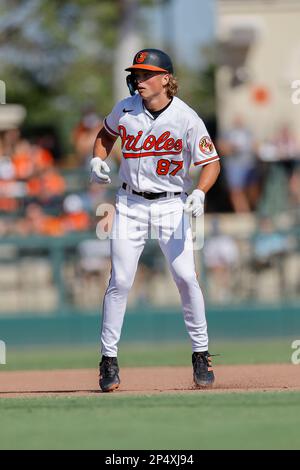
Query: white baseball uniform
point(157, 155)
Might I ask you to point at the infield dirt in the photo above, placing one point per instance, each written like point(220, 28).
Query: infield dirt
point(149, 380)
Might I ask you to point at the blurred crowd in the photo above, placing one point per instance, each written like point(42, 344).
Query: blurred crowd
point(36, 197)
point(248, 165)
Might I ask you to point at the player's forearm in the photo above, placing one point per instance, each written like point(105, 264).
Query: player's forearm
point(208, 176)
point(103, 144)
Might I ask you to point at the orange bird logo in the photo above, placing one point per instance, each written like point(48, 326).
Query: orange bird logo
point(141, 57)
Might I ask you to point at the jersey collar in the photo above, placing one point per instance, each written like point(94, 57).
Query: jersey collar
point(149, 113)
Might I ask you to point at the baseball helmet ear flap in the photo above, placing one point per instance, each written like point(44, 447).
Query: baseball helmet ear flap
point(131, 83)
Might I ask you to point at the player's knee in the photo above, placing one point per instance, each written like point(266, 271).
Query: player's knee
point(122, 283)
point(185, 279)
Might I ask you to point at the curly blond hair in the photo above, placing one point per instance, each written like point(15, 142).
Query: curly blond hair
point(172, 86)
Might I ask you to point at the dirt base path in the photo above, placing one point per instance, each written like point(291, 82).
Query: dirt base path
point(149, 380)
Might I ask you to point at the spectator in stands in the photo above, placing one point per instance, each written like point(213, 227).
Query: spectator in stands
point(295, 187)
point(7, 171)
point(237, 146)
point(83, 139)
point(288, 148)
point(281, 157)
point(84, 135)
point(269, 244)
point(29, 160)
point(22, 160)
point(10, 138)
point(75, 219)
point(40, 223)
point(8, 188)
point(48, 187)
point(287, 145)
point(34, 217)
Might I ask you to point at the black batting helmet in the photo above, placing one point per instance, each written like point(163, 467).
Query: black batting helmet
point(151, 59)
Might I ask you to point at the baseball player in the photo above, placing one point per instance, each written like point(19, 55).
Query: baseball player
point(161, 138)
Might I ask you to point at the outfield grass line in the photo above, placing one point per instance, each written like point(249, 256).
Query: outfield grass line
point(158, 354)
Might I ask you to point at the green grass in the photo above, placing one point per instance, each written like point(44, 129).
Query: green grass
point(246, 352)
point(190, 421)
point(182, 421)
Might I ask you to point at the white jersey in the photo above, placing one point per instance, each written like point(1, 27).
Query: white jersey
point(158, 153)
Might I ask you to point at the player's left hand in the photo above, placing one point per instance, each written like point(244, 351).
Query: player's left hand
point(195, 203)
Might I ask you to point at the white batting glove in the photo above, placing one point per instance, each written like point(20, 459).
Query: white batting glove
point(99, 168)
point(195, 203)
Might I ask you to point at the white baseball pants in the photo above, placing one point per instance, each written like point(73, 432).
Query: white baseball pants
point(136, 219)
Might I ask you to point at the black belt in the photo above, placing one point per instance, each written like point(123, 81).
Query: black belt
point(147, 195)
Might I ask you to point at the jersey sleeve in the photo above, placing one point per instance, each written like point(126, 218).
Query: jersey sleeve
point(111, 122)
point(200, 144)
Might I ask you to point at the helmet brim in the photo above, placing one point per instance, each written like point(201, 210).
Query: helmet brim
point(152, 68)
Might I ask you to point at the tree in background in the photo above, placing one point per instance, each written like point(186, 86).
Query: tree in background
point(57, 56)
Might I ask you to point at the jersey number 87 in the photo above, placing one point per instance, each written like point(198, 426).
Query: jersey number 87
point(163, 166)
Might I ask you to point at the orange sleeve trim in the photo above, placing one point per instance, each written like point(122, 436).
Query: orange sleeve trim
point(115, 134)
point(215, 158)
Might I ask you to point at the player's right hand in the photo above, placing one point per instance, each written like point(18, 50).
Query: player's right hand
point(99, 168)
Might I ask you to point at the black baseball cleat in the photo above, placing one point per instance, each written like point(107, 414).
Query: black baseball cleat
point(109, 379)
point(203, 372)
